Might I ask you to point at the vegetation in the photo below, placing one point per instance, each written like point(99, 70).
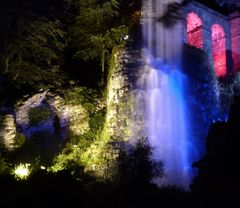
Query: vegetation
point(52, 45)
point(77, 145)
point(45, 44)
point(39, 114)
point(4, 166)
point(31, 45)
point(137, 167)
point(96, 42)
point(20, 139)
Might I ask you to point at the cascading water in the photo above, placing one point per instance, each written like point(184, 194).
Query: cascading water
point(164, 87)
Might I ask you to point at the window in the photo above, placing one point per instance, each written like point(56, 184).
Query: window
point(219, 50)
point(194, 30)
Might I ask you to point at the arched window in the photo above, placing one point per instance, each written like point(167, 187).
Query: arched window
point(219, 50)
point(194, 30)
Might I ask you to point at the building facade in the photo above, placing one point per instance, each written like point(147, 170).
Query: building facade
point(216, 33)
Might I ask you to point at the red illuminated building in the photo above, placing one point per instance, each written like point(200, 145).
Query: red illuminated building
point(217, 32)
point(194, 30)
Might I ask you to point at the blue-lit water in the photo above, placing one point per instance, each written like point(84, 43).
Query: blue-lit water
point(167, 123)
point(166, 112)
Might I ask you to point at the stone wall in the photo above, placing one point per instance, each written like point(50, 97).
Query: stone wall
point(209, 17)
point(73, 117)
point(8, 132)
point(121, 101)
point(62, 119)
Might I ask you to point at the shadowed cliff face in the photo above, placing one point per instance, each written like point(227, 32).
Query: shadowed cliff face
point(217, 169)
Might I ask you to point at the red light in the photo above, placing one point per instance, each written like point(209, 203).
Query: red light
point(235, 37)
point(194, 30)
point(219, 50)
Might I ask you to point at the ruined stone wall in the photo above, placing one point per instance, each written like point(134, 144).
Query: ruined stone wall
point(60, 121)
point(124, 120)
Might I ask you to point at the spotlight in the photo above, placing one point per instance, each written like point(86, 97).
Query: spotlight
point(126, 37)
point(22, 171)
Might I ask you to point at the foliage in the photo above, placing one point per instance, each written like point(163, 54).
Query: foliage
point(72, 155)
point(78, 145)
point(112, 61)
point(97, 120)
point(137, 166)
point(87, 97)
point(39, 114)
point(20, 139)
point(4, 166)
point(96, 42)
point(31, 46)
point(221, 157)
point(229, 89)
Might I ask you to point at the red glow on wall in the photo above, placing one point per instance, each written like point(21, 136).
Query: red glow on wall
point(194, 30)
point(219, 50)
point(235, 37)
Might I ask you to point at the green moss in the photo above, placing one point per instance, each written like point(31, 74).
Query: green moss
point(112, 64)
point(89, 149)
point(20, 139)
point(81, 95)
point(4, 166)
point(39, 114)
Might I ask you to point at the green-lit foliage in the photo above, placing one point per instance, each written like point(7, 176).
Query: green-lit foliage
point(97, 29)
point(4, 166)
point(20, 139)
point(77, 145)
point(112, 63)
point(39, 114)
point(87, 97)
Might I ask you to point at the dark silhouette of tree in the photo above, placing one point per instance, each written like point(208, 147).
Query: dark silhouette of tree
point(31, 43)
point(218, 169)
point(137, 168)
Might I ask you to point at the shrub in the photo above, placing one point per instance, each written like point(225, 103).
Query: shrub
point(137, 167)
point(20, 139)
point(4, 166)
point(39, 114)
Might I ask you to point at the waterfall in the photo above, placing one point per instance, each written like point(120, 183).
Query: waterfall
point(164, 86)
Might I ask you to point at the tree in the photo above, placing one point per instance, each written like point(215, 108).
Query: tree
point(31, 45)
point(217, 173)
point(137, 167)
point(96, 30)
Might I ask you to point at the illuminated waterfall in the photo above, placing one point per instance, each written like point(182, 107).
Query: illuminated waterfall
point(164, 89)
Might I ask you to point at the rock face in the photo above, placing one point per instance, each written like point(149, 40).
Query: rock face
point(8, 132)
point(122, 96)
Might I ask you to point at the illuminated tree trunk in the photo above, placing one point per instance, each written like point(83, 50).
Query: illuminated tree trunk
point(103, 62)
point(6, 65)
